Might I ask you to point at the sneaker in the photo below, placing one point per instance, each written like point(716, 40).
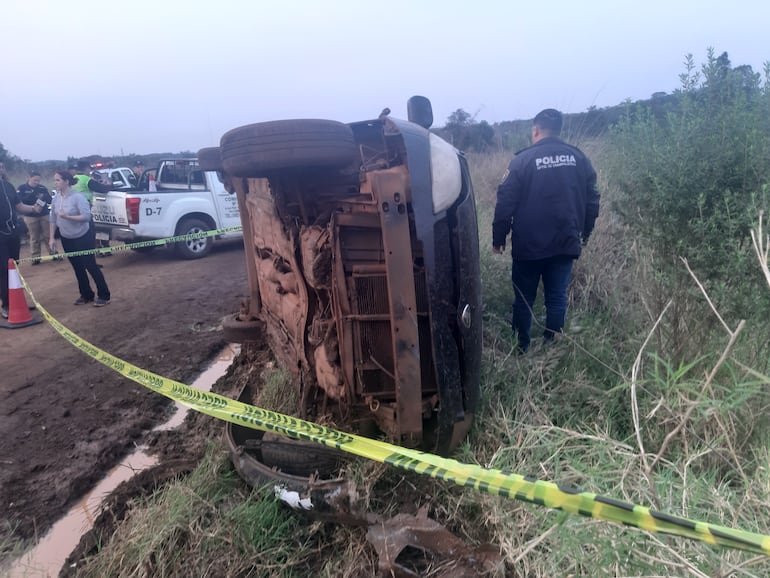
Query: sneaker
point(36, 261)
point(5, 313)
point(82, 301)
point(101, 302)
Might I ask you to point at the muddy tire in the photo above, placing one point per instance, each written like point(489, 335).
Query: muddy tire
point(193, 248)
point(257, 150)
point(300, 458)
point(236, 330)
point(210, 159)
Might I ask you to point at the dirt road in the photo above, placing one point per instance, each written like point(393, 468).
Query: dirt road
point(66, 419)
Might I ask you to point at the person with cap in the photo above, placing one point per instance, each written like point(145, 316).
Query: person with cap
point(87, 186)
point(549, 202)
point(138, 169)
point(33, 193)
point(10, 243)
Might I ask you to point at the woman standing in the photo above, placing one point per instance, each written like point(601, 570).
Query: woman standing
point(71, 213)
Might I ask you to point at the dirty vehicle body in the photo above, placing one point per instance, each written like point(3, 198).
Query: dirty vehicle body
point(363, 262)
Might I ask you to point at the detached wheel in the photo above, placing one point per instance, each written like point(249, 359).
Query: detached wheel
point(300, 458)
point(193, 248)
point(256, 150)
point(210, 159)
point(237, 330)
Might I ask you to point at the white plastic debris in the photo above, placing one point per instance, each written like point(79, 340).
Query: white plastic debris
point(293, 499)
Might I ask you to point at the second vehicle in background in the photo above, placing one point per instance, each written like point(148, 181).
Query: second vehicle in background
point(176, 198)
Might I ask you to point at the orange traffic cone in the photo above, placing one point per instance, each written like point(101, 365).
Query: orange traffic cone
point(18, 312)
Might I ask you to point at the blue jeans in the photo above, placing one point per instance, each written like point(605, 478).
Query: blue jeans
point(555, 273)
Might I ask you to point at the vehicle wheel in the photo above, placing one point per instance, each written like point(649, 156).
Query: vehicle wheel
point(193, 248)
point(210, 159)
point(256, 150)
point(251, 450)
point(300, 458)
point(238, 330)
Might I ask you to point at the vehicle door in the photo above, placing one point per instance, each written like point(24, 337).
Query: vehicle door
point(109, 210)
point(226, 204)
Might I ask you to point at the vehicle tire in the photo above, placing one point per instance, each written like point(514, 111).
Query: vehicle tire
point(193, 248)
point(300, 458)
point(256, 150)
point(247, 448)
point(210, 159)
point(328, 494)
point(238, 330)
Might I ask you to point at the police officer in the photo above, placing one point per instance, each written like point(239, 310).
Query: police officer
point(549, 202)
point(32, 193)
point(10, 244)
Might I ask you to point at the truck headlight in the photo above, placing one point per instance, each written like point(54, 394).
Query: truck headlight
point(445, 173)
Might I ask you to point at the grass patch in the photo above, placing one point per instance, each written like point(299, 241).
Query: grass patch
point(208, 524)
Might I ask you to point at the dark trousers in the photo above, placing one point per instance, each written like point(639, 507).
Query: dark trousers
point(9, 249)
point(526, 275)
point(85, 264)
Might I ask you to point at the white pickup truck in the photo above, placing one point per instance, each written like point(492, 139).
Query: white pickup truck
point(177, 198)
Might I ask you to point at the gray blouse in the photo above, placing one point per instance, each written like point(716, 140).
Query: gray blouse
point(73, 203)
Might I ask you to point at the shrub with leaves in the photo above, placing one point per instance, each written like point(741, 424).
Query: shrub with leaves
point(690, 183)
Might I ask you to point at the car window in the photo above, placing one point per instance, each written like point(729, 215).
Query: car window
point(117, 178)
point(177, 173)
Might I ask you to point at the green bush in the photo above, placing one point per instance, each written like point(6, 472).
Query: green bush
point(690, 184)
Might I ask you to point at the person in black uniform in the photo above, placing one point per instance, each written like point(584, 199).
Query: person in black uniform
point(32, 193)
point(10, 244)
point(549, 202)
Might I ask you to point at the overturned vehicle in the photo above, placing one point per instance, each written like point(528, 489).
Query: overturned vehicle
point(362, 256)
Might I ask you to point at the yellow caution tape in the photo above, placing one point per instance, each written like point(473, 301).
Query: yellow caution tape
point(488, 480)
point(128, 246)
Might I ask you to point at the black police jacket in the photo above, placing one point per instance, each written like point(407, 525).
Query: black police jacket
point(29, 196)
point(547, 200)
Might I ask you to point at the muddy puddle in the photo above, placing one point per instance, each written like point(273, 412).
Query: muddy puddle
point(46, 558)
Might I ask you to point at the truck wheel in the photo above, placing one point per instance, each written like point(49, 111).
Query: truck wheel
point(300, 458)
point(237, 330)
point(210, 159)
point(256, 150)
point(193, 248)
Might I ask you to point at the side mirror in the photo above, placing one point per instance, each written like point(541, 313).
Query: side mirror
point(419, 111)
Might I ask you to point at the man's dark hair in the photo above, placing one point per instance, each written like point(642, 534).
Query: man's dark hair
point(549, 120)
point(34, 174)
point(83, 166)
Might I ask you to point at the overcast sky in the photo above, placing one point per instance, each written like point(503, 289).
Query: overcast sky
point(114, 78)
